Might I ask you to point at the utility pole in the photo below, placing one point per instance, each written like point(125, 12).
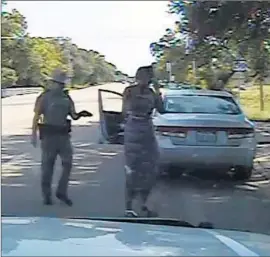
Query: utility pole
point(261, 78)
point(169, 70)
point(194, 71)
point(261, 94)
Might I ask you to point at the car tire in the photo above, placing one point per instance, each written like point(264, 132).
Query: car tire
point(242, 173)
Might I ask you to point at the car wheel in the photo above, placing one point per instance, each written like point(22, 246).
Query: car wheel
point(242, 173)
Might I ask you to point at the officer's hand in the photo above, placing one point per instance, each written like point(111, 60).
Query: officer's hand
point(85, 114)
point(34, 140)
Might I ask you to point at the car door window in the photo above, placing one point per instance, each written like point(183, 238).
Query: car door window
point(111, 101)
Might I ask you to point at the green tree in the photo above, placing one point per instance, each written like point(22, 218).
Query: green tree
point(223, 31)
point(28, 61)
point(13, 27)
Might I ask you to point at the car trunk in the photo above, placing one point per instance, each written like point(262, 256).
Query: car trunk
point(204, 129)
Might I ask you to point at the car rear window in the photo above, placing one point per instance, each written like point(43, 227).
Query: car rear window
point(201, 104)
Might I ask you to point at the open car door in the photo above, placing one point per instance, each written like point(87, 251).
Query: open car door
point(110, 117)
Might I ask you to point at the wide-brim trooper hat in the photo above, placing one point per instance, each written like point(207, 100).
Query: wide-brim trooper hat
point(59, 76)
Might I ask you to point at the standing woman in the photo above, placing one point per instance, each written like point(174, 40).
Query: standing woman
point(141, 149)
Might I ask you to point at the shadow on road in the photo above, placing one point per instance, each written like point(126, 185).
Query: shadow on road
point(97, 187)
point(97, 175)
point(225, 203)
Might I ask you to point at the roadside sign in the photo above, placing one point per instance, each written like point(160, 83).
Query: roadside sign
point(168, 66)
point(172, 78)
point(240, 65)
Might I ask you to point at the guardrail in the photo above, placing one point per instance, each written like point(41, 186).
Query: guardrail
point(7, 92)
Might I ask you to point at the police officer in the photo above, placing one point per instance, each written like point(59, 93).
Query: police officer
point(55, 106)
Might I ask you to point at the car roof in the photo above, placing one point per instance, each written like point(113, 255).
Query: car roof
point(181, 92)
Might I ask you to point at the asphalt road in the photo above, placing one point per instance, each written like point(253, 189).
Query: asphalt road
point(97, 183)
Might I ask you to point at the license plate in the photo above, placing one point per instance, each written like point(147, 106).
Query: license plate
point(178, 140)
point(206, 137)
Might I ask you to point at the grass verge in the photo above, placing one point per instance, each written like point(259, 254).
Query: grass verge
point(250, 101)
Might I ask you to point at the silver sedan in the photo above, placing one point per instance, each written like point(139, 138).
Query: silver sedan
point(204, 128)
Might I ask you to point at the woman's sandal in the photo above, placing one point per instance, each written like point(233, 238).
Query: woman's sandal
point(145, 213)
point(131, 214)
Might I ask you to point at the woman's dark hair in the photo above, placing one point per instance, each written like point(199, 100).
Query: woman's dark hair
point(143, 71)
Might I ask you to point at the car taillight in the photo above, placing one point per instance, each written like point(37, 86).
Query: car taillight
point(240, 133)
point(171, 131)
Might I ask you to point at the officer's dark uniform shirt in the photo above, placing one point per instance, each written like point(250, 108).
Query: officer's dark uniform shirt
point(55, 106)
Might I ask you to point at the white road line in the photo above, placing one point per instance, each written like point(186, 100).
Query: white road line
point(238, 248)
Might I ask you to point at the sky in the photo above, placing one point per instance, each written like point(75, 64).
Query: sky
point(120, 30)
